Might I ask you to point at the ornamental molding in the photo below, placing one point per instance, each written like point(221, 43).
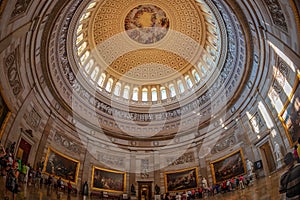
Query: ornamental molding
point(12, 69)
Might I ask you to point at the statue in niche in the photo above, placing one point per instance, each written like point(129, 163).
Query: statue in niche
point(132, 189)
point(277, 151)
point(249, 166)
point(157, 189)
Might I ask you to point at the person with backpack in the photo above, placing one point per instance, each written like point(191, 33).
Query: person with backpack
point(290, 179)
point(12, 181)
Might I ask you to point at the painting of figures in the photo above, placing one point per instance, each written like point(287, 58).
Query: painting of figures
point(62, 166)
point(229, 166)
point(290, 117)
point(181, 180)
point(108, 180)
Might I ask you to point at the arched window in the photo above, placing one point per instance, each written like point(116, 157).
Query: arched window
point(95, 73)
point(126, 92)
point(101, 79)
point(209, 62)
point(109, 85)
point(79, 38)
point(84, 57)
point(196, 75)
point(154, 94)
point(79, 29)
point(180, 86)
point(211, 51)
point(135, 94)
point(89, 66)
point(203, 70)
point(145, 94)
point(172, 90)
point(188, 81)
point(81, 48)
point(92, 5)
point(85, 16)
point(163, 93)
point(199, 65)
point(117, 89)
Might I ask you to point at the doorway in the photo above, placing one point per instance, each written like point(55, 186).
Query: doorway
point(266, 151)
point(23, 151)
point(144, 190)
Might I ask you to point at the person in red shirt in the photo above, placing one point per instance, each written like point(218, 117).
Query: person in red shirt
point(241, 182)
point(193, 193)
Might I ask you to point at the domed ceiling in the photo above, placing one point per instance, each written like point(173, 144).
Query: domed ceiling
point(146, 70)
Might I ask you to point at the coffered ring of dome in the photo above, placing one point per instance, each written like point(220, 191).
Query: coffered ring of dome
point(181, 45)
point(158, 68)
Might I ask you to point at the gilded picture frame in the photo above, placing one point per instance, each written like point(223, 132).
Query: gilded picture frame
point(181, 180)
point(108, 180)
point(229, 166)
point(290, 116)
point(5, 114)
point(61, 166)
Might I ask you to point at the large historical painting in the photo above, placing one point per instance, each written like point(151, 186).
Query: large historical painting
point(61, 166)
point(4, 114)
point(290, 117)
point(108, 180)
point(181, 180)
point(228, 166)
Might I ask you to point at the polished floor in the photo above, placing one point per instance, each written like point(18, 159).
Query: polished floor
point(262, 189)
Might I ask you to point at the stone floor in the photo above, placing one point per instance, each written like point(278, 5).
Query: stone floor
point(263, 189)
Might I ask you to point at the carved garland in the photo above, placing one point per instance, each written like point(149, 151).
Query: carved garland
point(12, 71)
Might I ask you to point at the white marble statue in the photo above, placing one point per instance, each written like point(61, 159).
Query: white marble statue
point(277, 151)
point(249, 166)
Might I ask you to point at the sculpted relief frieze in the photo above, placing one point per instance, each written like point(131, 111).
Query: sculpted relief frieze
point(224, 144)
point(111, 160)
point(281, 73)
point(185, 158)
point(67, 143)
point(145, 169)
point(33, 119)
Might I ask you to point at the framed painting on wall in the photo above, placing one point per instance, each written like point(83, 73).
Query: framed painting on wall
point(290, 116)
point(228, 166)
point(61, 165)
point(4, 115)
point(108, 180)
point(181, 180)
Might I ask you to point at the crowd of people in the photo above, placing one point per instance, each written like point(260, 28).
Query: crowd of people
point(18, 174)
point(232, 184)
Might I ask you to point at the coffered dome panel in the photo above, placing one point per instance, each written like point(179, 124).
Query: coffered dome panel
point(154, 68)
